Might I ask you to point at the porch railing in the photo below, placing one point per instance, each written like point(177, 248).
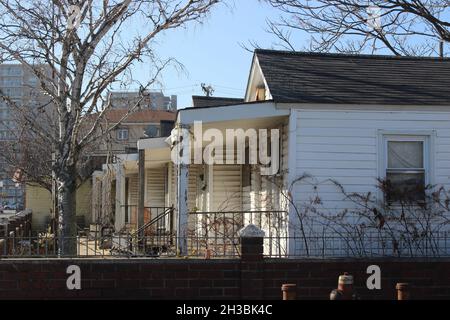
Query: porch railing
point(273, 222)
point(156, 233)
point(161, 218)
point(161, 223)
point(219, 229)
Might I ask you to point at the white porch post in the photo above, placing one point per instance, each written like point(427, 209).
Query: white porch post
point(120, 197)
point(182, 229)
point(106, 192)
point(183, 159)
point(96, 195)
point(292, 175)
point(141, 191)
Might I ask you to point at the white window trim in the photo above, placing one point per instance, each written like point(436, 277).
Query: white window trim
point(427, 136)
point(119, 135)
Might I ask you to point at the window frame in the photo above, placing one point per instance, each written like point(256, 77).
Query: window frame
point(119, 135)
point(428, 140)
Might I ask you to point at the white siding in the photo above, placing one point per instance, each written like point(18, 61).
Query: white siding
point(284, 148)
point(133, 193)
point(133, 198)
point(194, 171)
point(172, 189)
point(156, 187)
point(227, 190)
point(343, 145)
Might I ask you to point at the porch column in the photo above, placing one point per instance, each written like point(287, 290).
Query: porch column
point(96, 195)
point(182, 158)
point(292, 175)
point(141, 191)
point(105, 192)
point(182, 230)
point(120, 197)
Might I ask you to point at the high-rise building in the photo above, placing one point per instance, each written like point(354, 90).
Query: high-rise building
point(150, 99)
point(21, 86)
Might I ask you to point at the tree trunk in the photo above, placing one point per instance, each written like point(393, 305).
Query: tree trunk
point(67, 228)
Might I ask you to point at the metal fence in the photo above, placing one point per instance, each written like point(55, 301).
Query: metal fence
point(120, 246)
point(373, 245)
point(215, 235)
point(317, 247)
point(228, 223)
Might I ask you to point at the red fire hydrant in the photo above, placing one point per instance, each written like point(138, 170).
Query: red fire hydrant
point(345, 289)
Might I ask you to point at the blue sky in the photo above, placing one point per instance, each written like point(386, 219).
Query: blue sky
point(211, 52)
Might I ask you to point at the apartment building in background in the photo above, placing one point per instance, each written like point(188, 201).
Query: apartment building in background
point(147, 100)
point(21, 86)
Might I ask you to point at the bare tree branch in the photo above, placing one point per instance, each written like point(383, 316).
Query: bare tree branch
point(400, 27)
point(77, 56)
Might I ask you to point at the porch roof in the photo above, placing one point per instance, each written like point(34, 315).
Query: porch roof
point(236, 112)
point(240, 116)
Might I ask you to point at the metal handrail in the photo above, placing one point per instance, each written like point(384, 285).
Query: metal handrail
point(168, 210)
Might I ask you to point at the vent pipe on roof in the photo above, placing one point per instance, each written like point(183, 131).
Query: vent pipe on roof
point(441, 48)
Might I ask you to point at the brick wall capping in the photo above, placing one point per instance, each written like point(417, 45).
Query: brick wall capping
point(402, 286)
point(251, 231)
point(288, 286)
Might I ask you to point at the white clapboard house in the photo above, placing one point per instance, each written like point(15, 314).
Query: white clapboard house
point(359, 165)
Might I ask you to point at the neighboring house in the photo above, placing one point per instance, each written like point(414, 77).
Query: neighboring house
point(137, 125)
point(121, 140)
point(40, 201)
point(204, 101)
point(345, 122)
point(150, 99)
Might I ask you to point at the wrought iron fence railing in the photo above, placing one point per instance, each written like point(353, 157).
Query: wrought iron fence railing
point(316, 247)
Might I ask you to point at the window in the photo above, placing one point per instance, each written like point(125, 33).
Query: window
point(11, 82)
point(152, 131)
point(122, 134)
point(11, 70)
point(15, 71)
point(33, 81)
point(12, 92)
point(406, 168)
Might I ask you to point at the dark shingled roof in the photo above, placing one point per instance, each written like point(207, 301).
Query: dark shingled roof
point(202, 101)
point(355, 79)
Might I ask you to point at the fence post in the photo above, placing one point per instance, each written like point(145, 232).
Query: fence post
point(252, 243)
point(12, 240)
point(289, 291)
point(403, 291)
point(252, 262)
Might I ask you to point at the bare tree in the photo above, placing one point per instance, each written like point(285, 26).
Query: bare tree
point(88, 46)
point(401, 27)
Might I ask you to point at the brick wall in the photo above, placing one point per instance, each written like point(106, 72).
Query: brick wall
point(214, 279)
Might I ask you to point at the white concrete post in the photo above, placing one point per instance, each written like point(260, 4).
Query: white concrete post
point(120, 197)
point(96, 195)
point(184, 158)
point(182, 229)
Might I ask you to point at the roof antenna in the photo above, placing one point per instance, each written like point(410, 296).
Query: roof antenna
point(208, 90)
